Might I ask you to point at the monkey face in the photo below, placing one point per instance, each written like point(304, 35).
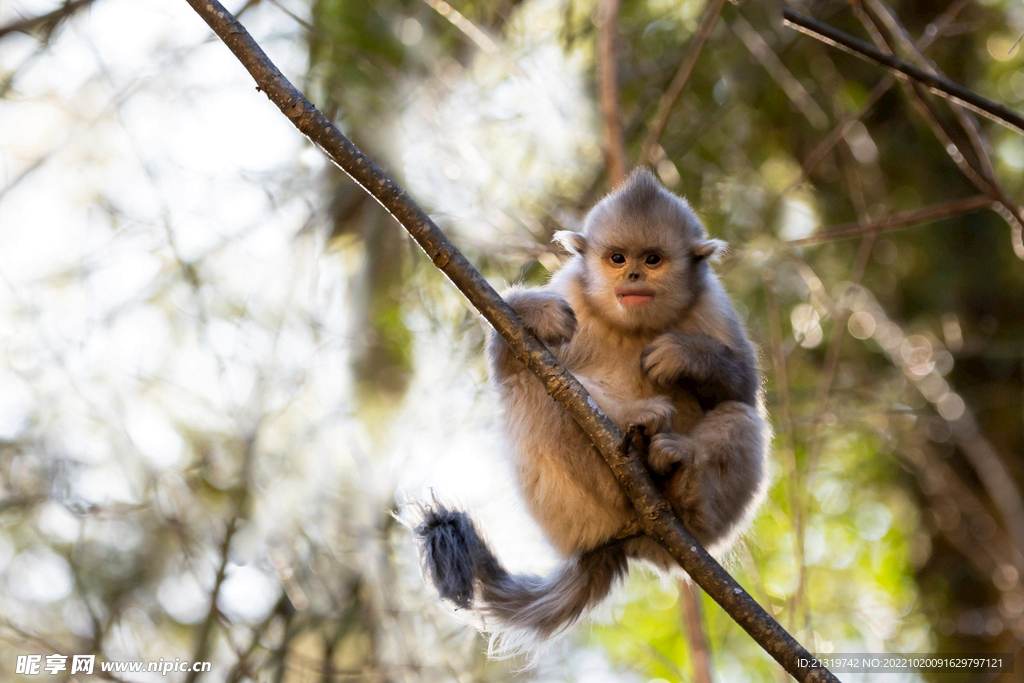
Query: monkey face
point(643, 252)
point(637, 279)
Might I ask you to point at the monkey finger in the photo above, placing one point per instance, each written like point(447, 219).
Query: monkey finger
point(662, 362)
point(669, 450)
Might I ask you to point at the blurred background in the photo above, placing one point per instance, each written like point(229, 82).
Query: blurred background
point(222, 366)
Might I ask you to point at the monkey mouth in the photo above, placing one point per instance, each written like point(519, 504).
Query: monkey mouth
point(634, 297)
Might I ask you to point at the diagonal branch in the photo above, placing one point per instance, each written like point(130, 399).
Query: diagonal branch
point(675, 88)
point(937, 84)
point(45, 22)
point(976, 167)
point(771, 63)
point(935, 212)
point(654, 513)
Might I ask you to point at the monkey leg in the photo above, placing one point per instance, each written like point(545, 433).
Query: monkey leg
point(723, 471)
point(654, 414)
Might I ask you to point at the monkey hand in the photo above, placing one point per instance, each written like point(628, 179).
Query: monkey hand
point(546, 314)
point(653, 414)
point(664, 360)
point(668, 450)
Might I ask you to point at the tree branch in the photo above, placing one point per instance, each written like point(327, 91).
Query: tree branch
point(928, 36)
point(655, 515)
point(788, 83)
point(935, 212)
point(937, 84)
point(675, 88)
point(976, 167)
point(700, 652)
point(48, 21)
point(615, 147)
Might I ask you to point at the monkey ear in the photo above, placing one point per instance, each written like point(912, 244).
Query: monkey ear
point(573, 242)
point(710, 250)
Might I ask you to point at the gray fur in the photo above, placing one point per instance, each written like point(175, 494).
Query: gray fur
point(451, 551)
point(524, 607)
point(544, 606)
point(704, 366)
point(680, 364)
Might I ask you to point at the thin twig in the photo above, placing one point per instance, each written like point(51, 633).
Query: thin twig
point(203, 644)
point(789, 84)
point(793, 475)
point(675, 88)
point(931, 32)
point(980, 170)
point(900, 221)
point(937, 84)
point(46, 22)
point(700, 652)
point(615, 147)
point(659, 522)
point(459, 21)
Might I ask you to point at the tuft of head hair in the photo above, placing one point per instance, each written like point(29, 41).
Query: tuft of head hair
point(639, 191)
point(642, 203)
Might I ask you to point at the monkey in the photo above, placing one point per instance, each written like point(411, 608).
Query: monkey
point(638, 316)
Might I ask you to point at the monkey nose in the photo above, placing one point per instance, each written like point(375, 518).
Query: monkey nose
point(633, 277)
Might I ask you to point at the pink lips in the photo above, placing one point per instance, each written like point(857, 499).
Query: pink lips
point(632, 297)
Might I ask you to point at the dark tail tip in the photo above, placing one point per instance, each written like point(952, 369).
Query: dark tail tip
point(449, 545)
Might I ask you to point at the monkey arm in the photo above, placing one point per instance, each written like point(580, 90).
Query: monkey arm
point(703, 366)
point(544, 312)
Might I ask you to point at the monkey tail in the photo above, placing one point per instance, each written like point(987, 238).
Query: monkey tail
point(520, 610)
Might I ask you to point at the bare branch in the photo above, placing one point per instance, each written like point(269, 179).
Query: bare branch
point(615, 147)
point(654, 513)
point(900, 221)
point(675, 88)
point(979, 169)
point(931, 32)
point(790, 85)
point(700, 652)
point(793, 474)
point(459, 21)
point(206, 630)
point(45, 22)
point(937, 84)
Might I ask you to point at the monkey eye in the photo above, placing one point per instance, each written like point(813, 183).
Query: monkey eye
point(652, 259)
point(618, 258)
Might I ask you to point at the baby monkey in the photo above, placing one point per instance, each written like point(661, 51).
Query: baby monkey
point(639, 317)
